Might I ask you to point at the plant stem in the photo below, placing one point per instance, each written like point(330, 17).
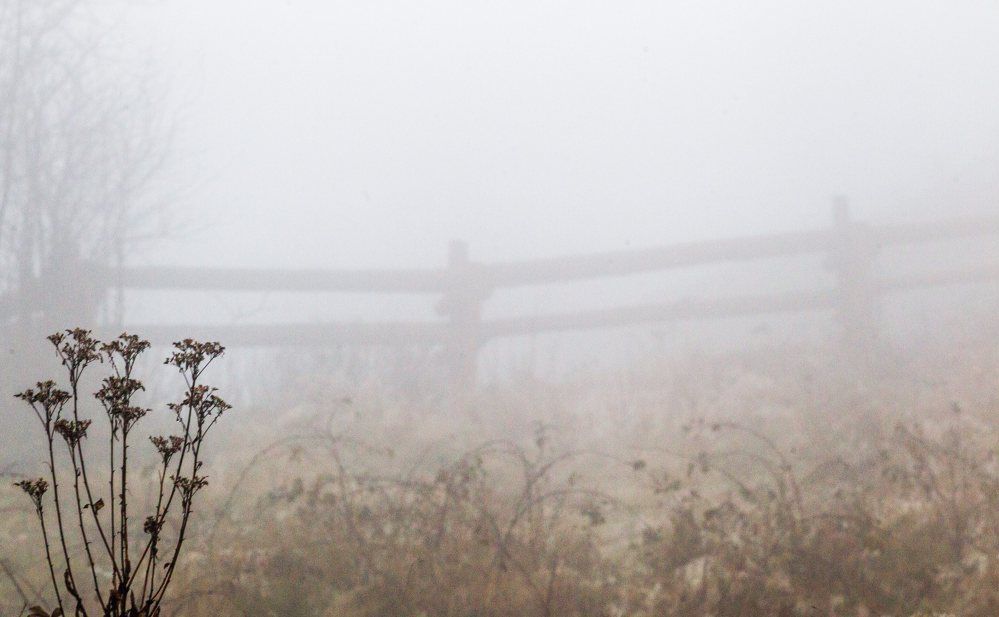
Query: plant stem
point(48, 558)
point(83, 529)
point(58, 509)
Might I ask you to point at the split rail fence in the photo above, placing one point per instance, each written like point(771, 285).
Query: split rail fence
point(463, 286)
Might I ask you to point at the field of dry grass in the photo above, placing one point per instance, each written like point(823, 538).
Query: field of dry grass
point(752, 483)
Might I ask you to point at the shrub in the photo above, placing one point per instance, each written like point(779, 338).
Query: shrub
point(496, 530)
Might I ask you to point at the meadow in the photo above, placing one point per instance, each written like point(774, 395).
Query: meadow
point(753, 482)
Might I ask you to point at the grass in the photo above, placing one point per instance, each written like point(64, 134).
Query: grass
point(749, 484)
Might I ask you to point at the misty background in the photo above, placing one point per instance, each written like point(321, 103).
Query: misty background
point(356, 135)
point(368, 135)
point(530, 308)
point(343, 134)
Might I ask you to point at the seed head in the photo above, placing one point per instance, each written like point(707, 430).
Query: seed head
point(152, 525)
point(192, 357)
point(167, 446)
point(77, 349)
point(127, 348)
point(35, 490)
point(46, 395)
point(73, 431)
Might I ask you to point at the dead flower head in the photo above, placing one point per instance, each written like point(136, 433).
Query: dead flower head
point(73, 431)
point(167, 446)
point(46, 399)
point(193, 357)
point(35, 489)
point(77, 349)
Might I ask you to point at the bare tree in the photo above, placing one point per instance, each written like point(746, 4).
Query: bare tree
point(82, 137)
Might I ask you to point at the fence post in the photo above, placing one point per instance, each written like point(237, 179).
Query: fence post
point(462, 305)
point(854, 254)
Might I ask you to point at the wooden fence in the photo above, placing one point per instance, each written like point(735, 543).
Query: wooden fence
point(464, 286)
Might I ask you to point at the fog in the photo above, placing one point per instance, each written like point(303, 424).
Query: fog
point(370, 134)
point(633, 237)
point(349, 135)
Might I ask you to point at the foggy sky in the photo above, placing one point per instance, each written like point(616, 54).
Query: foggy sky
point(368, 134)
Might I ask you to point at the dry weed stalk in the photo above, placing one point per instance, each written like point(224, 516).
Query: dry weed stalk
point(129, 577)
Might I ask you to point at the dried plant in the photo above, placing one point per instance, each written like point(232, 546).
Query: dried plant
point(365, 532)
point(733, 515)
point(909, 531)
point(128, 576)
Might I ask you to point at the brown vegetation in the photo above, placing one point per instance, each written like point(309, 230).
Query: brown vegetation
point(752, 484)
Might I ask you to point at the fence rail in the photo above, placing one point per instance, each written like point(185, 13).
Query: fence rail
point(264, 279)
point(464, 286)
point(547, 271)
point(415, 333)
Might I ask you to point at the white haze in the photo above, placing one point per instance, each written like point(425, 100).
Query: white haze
point(368, 134)
point(355, 135)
